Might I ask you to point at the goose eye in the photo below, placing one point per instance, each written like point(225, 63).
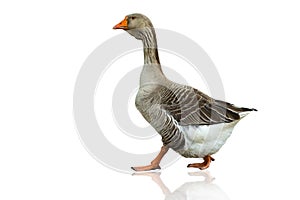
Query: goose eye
point(132, 17)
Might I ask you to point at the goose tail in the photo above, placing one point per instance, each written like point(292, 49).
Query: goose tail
point(245, 111)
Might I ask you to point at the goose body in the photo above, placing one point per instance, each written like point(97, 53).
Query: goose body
point(189, 121)
point(186, 119)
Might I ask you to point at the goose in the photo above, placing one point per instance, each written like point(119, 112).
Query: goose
point(189, 121)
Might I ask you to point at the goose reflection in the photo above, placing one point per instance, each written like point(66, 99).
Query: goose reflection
point(205, 189)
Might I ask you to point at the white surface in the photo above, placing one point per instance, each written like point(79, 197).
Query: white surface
point(255, 46)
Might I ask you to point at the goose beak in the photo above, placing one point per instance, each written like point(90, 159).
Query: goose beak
point(122, 25)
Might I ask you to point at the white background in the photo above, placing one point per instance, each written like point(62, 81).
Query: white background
point(255, 46)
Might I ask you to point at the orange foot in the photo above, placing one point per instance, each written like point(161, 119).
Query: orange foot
point(155, 163)
point(204, 165)
point(150, 167)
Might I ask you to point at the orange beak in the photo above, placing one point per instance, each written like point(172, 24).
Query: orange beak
point(122, 24)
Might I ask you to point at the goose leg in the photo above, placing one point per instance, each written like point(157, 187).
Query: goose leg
point(155, 163)
point(204, 165)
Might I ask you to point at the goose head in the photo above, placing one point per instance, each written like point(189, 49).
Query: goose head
point(137, 25)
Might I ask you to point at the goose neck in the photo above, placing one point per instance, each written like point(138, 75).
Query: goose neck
point(150, 47)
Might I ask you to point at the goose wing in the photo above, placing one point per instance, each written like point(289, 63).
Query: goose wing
point(188, 106)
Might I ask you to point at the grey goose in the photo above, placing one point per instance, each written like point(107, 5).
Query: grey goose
point(189, 121)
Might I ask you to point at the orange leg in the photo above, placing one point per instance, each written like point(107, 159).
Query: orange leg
point(155, 163)
point(204, 165)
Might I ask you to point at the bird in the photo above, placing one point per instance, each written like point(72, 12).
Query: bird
point(188, 121)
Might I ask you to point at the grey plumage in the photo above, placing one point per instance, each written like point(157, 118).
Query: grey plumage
point(171, 107)
point(167, 105)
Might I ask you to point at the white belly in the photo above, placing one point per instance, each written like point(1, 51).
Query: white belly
point(205, 140)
